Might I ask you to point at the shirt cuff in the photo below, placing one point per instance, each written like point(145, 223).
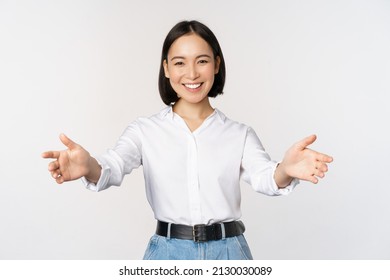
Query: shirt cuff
point(286, 190)
point(103, 180)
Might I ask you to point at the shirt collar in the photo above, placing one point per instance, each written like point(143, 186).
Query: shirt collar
point(168, 113)
point(221, 116)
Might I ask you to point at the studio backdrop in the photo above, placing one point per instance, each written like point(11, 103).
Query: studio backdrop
point(88, 68)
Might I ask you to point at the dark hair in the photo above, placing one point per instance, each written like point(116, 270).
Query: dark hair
point(168, 95)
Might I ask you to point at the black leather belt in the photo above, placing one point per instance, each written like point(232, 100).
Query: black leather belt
point(200, 233)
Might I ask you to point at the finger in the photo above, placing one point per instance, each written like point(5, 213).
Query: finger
point(53, 165)
point(55, 174)
point(301, 145)
point(313, 179)
point(318, 173)
point(60, 180)
point(322, 166)
point(324, 158)
point(67, 141)
point(51, 154)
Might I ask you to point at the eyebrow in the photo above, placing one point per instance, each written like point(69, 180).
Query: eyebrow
point(182, 57)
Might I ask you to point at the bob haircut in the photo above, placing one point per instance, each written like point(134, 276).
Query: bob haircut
point(168, 95)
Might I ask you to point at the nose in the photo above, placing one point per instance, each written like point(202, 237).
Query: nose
point(192, 72)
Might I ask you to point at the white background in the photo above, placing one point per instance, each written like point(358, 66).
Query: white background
point(88, 68)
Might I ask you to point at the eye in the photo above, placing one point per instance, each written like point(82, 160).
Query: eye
point(179, 63)
point(202, 61)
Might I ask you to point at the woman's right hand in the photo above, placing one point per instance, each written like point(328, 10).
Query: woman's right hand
point(72, 163)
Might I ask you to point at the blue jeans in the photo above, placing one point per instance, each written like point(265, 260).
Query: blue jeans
point(163, 248)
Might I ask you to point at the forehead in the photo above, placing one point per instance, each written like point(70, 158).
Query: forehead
point(189, 45)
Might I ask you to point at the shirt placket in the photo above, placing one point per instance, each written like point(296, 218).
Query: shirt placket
point(193, 180)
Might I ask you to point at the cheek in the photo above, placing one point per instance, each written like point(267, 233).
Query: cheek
point(210, 75)
point(175, 76)
point(210, 72)
point(175, 81)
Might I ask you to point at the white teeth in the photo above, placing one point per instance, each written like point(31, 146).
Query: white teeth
point(192, 86)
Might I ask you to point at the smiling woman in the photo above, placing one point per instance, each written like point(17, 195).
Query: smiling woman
point(192, 173)
point(191, 41)
point(190, 68)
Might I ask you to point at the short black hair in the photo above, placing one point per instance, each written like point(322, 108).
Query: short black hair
point(168, 95)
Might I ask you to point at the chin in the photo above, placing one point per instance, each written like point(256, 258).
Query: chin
point(194, 100)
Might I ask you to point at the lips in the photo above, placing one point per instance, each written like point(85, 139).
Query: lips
point(193, 86)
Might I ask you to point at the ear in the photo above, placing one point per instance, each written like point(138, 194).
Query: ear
point(166, 69)
point(217, 63)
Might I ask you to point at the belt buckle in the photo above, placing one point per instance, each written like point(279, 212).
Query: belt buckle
point(199, 233)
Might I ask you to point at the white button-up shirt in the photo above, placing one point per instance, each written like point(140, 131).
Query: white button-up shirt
point(191, 177)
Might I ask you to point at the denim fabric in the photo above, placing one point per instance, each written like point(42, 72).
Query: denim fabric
point(163, 248)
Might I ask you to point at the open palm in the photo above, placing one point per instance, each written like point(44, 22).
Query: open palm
point(305, 164)
point(70, 164)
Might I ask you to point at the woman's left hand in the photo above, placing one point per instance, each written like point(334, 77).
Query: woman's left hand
point(302, 163)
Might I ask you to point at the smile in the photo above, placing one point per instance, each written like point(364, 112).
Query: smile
point(193, 86)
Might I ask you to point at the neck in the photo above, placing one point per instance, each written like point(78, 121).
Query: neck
point(193, 111)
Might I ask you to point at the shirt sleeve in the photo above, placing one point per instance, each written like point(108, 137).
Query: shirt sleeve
point(257, 168)
point(119, 161)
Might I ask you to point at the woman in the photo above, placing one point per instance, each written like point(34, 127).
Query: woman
point(193, 157)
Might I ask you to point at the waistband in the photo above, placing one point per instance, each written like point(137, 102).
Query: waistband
point(200, 233)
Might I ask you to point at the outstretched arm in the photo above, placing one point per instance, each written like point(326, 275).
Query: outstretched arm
point(302, 163)
point(72, 163)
